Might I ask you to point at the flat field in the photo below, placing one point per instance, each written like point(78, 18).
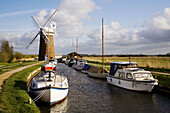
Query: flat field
point(152, 62)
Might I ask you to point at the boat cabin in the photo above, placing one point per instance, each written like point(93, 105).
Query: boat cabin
point(120, 65)
point(53, 61)
point(128, 70)
point(81, 62)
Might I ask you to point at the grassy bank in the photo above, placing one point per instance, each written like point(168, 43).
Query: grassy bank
point(14, 98)
point(152, 62)
point(4, 67)
point(163, 80)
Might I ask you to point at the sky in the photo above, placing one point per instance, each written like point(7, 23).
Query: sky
point(130, 26)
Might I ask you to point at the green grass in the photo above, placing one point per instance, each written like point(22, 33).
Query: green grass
point(14, 98)
point(163, 80)
point(4, 67)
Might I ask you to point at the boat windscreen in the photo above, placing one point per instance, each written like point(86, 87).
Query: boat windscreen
point(130, 66)
point(51, 60)
point(140, 75)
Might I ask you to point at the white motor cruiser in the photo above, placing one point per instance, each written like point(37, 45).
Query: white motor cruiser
point(49, 87)
point(79, 64)
point(127, 75)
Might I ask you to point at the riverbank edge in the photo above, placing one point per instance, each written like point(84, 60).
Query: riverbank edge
point(10, 87)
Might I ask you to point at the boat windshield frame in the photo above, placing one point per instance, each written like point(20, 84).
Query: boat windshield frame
point(129, 66)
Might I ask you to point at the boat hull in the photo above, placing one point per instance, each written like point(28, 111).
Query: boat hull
point(145, 86)
point(51, 95)
point(79, 68)
point(98, 75)
point(84, 71)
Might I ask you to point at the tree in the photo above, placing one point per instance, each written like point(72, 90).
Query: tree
point(6, 52)
point(18, 55)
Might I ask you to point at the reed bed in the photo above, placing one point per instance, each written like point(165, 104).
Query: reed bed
point(153, 62)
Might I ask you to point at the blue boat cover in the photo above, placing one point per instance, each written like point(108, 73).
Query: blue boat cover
point(113, 68)
point(86, 67)
point(115, 65)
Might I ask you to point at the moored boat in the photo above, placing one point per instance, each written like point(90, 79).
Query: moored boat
point(97, 72)
point(53, 61)
point(49, 87)
point(79, 64)
point(86, 68)
point(49, 66)
point(71, 62)
point(127, 75)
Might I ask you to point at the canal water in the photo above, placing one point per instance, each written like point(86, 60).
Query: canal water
point(91, 95)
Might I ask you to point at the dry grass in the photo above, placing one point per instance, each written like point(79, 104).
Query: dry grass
point(154, 62)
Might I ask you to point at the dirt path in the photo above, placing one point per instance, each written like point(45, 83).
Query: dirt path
point(4, 76)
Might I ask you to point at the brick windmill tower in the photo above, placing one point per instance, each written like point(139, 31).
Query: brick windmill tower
point(46, 48)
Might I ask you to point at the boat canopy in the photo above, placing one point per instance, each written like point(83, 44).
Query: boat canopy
point(114, 66)
point(95, 69)
point(86, 67)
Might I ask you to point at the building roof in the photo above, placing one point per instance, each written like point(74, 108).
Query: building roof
point(72, 53)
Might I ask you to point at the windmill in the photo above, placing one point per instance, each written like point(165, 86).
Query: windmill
point(46, 48)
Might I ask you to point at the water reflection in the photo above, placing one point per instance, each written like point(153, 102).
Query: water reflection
point(60, 107)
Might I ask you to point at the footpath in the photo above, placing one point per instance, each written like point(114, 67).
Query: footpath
point(6, 75)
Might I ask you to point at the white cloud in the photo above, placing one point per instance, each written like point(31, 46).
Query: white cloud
point(18, 13)
point(153, 38)
point(70, 17)
point(162, 20)
point(158, 30)
point(20, 42)
point(69, 20)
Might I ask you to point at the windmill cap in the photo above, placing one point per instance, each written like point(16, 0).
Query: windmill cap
point(49, 30)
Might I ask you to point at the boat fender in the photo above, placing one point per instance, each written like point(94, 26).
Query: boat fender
point(29, 101)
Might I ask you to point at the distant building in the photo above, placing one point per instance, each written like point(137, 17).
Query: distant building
point(73, 55)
